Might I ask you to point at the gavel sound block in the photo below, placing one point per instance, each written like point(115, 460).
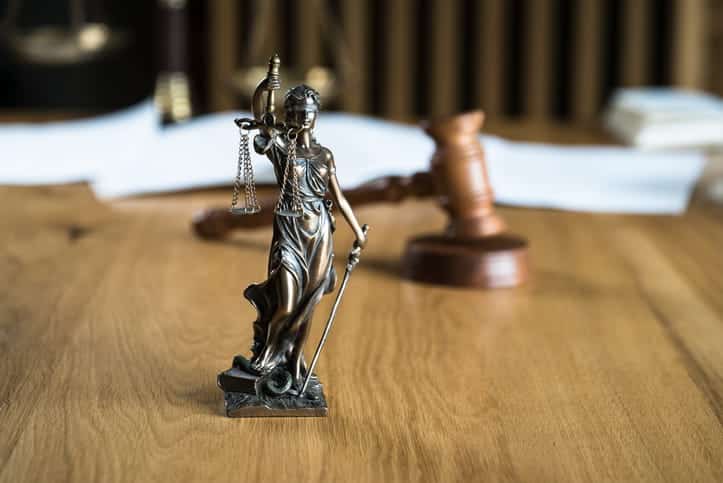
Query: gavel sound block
point(474, 250)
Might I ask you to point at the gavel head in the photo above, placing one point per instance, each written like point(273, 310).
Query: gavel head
point(460, 176)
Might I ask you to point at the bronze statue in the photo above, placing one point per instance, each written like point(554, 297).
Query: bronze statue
point(277, 381)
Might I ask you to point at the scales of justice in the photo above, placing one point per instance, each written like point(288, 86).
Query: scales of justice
point(276, 379)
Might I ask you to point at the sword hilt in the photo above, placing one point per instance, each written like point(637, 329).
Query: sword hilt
point(353, 258)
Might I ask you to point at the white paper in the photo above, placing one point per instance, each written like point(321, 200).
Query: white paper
point(663, 117)
point(597, 179)
point(71, 151)
point(125, 154)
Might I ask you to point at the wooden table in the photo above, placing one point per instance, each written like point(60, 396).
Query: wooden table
point(114, 321)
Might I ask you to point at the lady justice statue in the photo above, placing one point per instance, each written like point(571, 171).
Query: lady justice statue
point(276, 380)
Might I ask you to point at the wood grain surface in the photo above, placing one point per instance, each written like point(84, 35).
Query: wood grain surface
point(114, 321)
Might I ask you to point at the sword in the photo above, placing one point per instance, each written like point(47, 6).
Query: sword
point(347, 273)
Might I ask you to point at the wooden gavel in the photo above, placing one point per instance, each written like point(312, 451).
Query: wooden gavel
point(474, 249)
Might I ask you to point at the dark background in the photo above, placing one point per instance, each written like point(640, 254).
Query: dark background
point(117, 80)
point(129, 75)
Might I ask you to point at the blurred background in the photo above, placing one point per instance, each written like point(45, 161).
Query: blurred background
point(398, 59)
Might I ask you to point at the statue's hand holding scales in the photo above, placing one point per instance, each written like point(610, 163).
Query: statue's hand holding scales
point(276, 380)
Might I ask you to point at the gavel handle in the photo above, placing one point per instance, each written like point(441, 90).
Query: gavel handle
point(216, 223)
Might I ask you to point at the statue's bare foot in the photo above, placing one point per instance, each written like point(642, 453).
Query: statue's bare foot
point(266, 361)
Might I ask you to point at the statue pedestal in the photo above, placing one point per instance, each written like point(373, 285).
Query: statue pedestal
point(245, 396)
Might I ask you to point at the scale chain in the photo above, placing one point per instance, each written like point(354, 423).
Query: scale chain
point(290, 171)
point(295, 196)
point(237, 180)
point(249, 182)
point(244, 168)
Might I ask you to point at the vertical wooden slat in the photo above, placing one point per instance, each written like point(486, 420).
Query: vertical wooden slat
point(308, 34)
point(587, 83)
point(222, 52)
point(689, 43)
point(444, 58)
point(400, 25)
point(539, 61)
point(635, 50)
point(268, 39)
point(354, 19)
point(490, 93)
point(715, 47)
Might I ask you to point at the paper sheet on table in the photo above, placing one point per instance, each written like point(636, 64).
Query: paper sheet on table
point(71, 151)
point(128, 155)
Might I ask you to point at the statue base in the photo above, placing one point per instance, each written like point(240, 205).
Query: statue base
point(249, 395)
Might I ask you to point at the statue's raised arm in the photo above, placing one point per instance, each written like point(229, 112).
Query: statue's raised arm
point(263, 101)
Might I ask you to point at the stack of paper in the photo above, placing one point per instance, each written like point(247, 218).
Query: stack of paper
point(656, 118)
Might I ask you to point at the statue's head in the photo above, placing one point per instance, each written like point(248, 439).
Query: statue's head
point(301, 105)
